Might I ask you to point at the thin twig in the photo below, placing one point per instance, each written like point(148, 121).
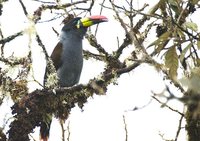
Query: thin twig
point(68, 131)
point(23, 7)
point(93, 42)
point(125, 128)
point(179, 128)
point(32, 137)
point(42, 46)
point(63, 129)
point(141, 107)
point(87, 54)
point(174, 110)
point(44, 2)
point(10, 38)
point(119, 18)
point(101, 10)
point(13, 61)
point(86, 9)
point(2, 46)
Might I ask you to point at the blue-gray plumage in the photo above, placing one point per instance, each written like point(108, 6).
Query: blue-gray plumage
point(71, 59)
point(67, 57)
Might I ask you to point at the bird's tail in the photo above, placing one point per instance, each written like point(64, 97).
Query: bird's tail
point(44, 130)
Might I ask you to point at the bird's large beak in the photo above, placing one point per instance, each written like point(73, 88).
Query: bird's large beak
point(89, 21)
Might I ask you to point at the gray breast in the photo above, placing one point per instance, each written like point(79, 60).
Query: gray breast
point(72, 60)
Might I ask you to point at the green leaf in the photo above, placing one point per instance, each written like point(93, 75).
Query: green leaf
point(174, 5)
point(173, 2)
point(180, 33)
point(198, 44)
point(191, 25)
point(154, 8)
point(161, 42)
point(194, 1)
point(184, 51)
point(171, 62)
point(164, 37)
point(197, 62)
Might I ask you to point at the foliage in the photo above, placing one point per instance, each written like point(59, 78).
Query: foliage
point(173, 51)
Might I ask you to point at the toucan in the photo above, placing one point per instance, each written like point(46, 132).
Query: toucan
point(67, 56)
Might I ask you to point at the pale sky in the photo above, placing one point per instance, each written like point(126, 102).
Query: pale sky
point(102, 117)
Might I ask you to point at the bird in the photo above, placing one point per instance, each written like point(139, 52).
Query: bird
point(67, 56)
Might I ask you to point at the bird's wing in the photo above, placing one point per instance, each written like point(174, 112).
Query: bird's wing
point(56, 55)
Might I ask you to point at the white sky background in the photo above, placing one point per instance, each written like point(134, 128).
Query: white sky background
point(102, 117)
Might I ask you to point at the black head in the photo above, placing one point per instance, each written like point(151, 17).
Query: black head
point(72, 24)
point(83, 23)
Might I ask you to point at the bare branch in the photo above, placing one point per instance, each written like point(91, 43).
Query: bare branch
point(42, 46)
point(93, 42)
point(10, 38)
point(125, 128)
point(23, 7)
point(165, 105)
point(179, 128)
point(38, 12)
point(68, 131)
point(63, 129)
point(99, 14)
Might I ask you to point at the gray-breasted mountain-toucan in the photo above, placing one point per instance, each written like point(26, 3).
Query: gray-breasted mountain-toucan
point(67, 56)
